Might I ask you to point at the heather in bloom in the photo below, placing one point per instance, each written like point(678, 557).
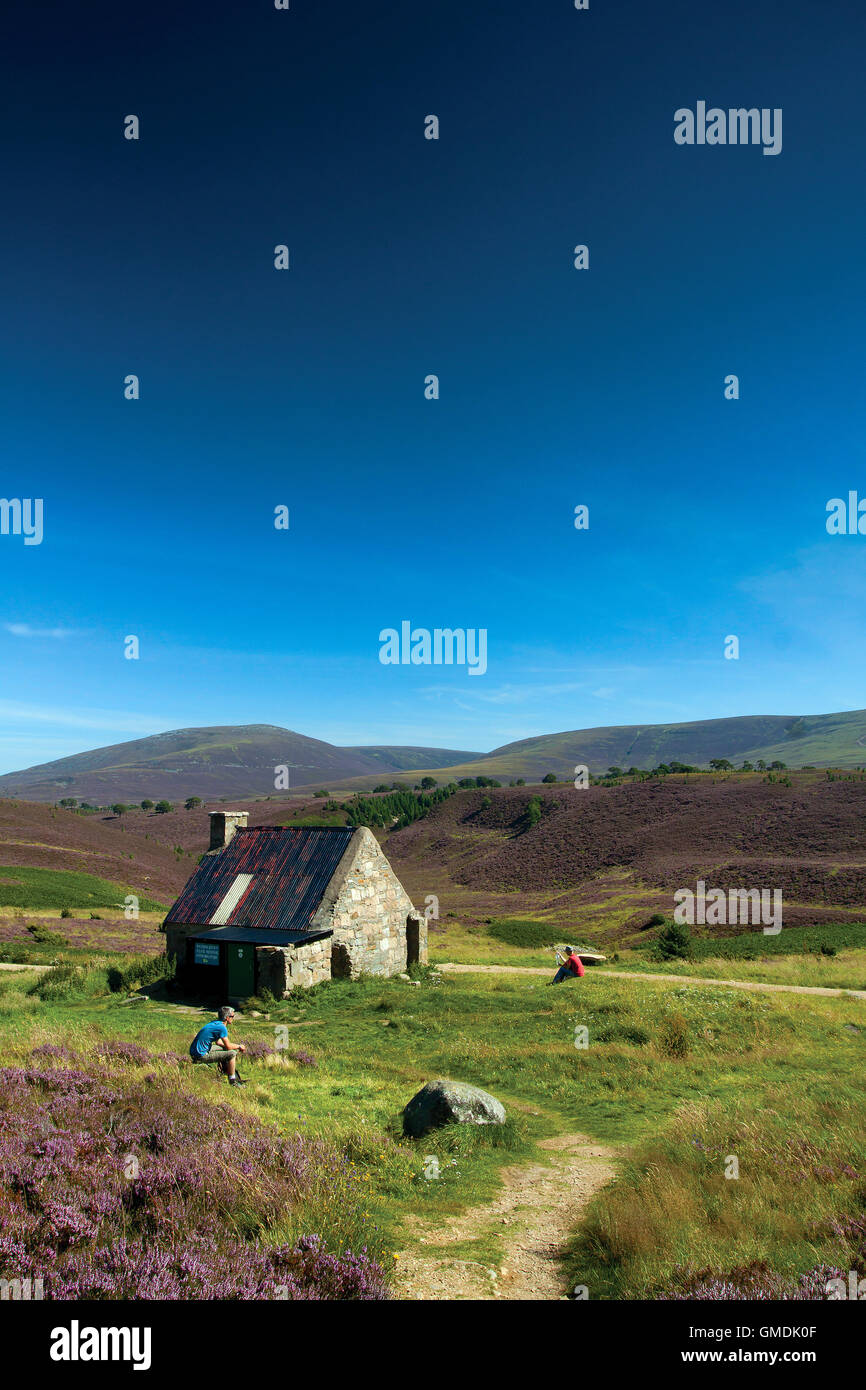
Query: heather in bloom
point(111, 1189)
point(127, 1053)
point(53, 1052)
point(756, 1281)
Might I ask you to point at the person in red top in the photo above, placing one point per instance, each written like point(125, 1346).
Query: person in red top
point(571, 966)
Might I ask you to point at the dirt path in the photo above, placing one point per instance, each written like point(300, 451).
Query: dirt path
point(532, 1217)
point(5, 966)
point(645, 975)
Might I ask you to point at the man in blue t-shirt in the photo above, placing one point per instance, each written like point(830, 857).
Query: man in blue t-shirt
point(211, 1044)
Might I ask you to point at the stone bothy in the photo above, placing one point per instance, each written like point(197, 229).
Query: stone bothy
point(273, 908)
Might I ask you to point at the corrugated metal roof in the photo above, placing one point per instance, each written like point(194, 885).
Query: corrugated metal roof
point(289, 871)
point(259, 938)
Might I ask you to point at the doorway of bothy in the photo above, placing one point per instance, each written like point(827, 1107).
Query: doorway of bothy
point(413, 940)
point(341, 965)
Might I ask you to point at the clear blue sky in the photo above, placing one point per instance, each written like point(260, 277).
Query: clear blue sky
point(409, 257)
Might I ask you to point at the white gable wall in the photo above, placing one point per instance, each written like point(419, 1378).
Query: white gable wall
point(366, 906)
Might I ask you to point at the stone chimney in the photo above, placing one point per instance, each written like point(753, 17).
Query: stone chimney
point(223, 825)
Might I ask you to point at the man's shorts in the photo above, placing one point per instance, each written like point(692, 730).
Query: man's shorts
point(217, 1054)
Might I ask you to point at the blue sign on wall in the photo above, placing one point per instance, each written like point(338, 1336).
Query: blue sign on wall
point(206, 953)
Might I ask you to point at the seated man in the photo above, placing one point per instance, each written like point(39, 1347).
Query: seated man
point(211, 1044)
point(570, 966)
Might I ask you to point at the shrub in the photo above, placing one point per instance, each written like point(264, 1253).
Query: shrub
point(754, 1281)
point(674, 1036)
point(69, 982)
point(139, 971)
point(13, 953)
point(53, 1052)
point(790, 941)
point(674, 942)
point(44, 937)
point(533, 811)
point(128, 1054)
point(66, 912)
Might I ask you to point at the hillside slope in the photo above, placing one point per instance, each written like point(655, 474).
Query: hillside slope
point(823, 740)
point(221, 761)
point(636, 844)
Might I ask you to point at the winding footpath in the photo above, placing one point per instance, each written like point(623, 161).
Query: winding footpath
point(532, 1218)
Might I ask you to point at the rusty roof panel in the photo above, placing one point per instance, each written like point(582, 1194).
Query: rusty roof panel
point(289, 870)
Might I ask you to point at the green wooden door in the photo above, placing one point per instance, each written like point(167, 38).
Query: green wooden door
point(241, 973)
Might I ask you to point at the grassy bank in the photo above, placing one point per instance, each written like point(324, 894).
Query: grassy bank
point(63, 888)
point(664, 1065)
point(793, 957)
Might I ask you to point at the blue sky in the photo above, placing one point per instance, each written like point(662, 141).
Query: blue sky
point(409, 257)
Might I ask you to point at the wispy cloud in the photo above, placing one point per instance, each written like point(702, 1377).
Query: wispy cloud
point(507, 694)
point(115, 721)
point(25, 630)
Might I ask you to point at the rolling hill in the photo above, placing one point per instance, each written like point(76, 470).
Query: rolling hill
point(611, 856)
point(239, 761)
point(822, 740)
point(221, 761)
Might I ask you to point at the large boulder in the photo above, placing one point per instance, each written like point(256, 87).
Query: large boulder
point(448, 1103)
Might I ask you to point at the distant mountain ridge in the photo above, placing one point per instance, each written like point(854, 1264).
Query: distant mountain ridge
point(240, 760)
point(213, 762)
point(821, 740)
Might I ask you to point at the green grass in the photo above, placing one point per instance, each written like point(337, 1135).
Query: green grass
point(664, 1062)
point(794, 957)
point(524, 932)
point(324, 818)
point(40, 888)
point(847, 970)
point(473, 945)
point(789, 941)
